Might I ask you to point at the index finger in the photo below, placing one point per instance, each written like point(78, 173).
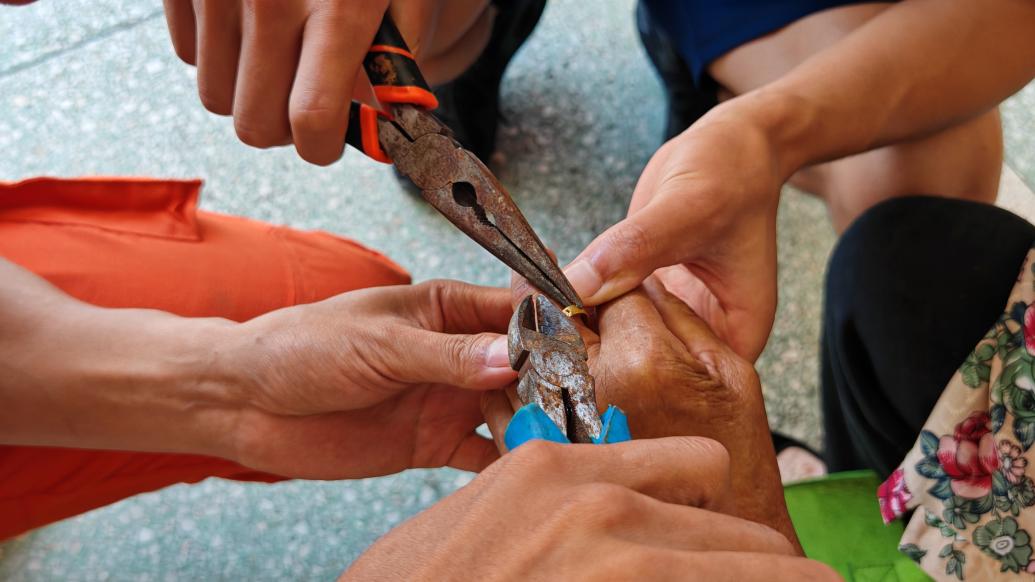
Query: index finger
point(335, 41)
point(691, 471)
point(179, 17)
point(684, 323)
point(461, 308)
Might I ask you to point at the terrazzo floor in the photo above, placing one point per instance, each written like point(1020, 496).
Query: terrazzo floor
point(92, 87)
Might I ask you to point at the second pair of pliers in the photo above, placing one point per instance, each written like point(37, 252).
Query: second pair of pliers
point(555, 386)
point(450, 177)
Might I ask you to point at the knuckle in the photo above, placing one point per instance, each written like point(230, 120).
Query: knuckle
point(256, 136)
point(441, 288)
point(435, 295)
point(215, 102)
point(650, 361)
point(604, 505)
point(769, 541)
point(309, 115)
point(462, 354)
point(724, 385)
point(698, 388)
point(633, 240)
point(539, 457)
point(186, 52)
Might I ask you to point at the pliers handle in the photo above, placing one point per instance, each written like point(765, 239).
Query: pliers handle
point(531, 422)
point(450, 178)
point(554, 382)
point(396, 79)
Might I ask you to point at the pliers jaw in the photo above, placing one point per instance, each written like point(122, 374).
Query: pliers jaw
point(458, 184)
point(552, 363)
point(450, 177)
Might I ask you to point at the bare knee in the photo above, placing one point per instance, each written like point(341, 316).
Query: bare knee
point(963, 161)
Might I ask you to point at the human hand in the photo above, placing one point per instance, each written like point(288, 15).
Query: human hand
point(662, 365)
point(645, 509)
point(704, 212)
point(369, 382)
point(287, 70)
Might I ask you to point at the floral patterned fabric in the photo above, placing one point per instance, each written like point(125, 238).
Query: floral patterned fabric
point(967, 476)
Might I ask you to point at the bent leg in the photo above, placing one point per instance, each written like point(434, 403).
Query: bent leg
point(963, 161)
point(912, 286)
point(143, 243)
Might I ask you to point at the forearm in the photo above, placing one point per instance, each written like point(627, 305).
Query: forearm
point(918, 67)
point(76, 375)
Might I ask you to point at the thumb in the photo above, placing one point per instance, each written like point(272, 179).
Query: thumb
point(472, 361)
point(618, 260)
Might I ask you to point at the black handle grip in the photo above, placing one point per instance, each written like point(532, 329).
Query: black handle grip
point(362, 132)
point(395, 77)
point(393, 70)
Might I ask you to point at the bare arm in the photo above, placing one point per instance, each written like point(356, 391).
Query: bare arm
point(916, 68)
point(366, 383)
point(76, 375)
point(919, 66)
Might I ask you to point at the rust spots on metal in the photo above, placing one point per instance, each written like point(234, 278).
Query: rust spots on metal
point(458, 184)
point(385, 70)
point(547, 351)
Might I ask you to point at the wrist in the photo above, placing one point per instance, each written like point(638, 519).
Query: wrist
point(207, 383)
point(173, 375)
point(787, 123)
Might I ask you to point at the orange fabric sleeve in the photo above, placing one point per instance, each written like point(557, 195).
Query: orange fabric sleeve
point(134, 242)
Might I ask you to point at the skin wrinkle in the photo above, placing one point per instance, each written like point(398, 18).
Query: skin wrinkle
point(286, 71)
point(415, 451)
point(590, 506)
point(437, 302)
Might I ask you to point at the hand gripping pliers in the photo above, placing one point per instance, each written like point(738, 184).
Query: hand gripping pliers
point(554, 383)
point(451, 178)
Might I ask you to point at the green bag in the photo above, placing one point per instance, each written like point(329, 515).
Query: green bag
point(838, 522)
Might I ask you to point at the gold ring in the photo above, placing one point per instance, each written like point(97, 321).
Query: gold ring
point(573, 310)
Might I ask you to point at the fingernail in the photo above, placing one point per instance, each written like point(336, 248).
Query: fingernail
point(584, 278)
point(496, 356)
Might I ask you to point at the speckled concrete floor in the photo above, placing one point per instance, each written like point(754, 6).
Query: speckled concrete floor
point(92, 87)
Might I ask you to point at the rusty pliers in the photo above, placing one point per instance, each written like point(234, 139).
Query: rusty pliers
point(554, 383)
point(450, 177)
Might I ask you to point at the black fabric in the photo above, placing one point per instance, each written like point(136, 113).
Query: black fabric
point(704, 30)
point(687, 102)
point(912, 286)
point(469, 104)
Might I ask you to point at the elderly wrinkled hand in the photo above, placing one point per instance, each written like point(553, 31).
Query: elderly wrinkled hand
point(661, 363)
